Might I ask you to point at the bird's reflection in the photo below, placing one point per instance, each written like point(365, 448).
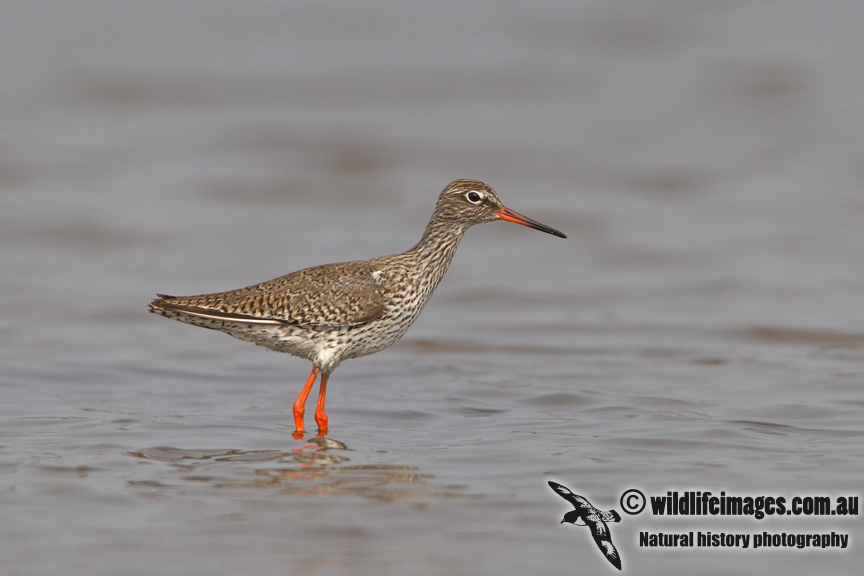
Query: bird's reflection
point(319, 467)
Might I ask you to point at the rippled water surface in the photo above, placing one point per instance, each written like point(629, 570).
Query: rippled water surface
point(700, 329)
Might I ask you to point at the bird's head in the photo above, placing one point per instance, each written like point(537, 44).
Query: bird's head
point(470, 202)
point(574, 517)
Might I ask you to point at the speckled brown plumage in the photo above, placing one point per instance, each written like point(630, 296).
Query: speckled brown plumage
point(335, 312)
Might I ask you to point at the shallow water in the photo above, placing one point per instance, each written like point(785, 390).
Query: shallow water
point(700, 329)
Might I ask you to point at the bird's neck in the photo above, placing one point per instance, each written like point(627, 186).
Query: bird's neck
point(436, 248)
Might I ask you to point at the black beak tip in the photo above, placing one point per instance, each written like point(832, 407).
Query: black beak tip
point(549, 230)
point(543, 228)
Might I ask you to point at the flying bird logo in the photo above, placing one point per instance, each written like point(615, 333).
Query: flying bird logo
point(585, 514)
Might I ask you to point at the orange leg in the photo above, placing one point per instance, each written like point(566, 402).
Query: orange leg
point(320, 416)
point(300, 404)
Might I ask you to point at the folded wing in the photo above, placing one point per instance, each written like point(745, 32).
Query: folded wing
point(347, 294)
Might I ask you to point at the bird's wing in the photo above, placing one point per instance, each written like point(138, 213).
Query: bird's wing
point(608, 516)
point(578, 501)
point(603, 538)
point(344, 295)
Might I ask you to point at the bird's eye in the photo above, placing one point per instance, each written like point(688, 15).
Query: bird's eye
point(474, 197)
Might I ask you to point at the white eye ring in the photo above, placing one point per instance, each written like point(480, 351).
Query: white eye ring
point(474, 197)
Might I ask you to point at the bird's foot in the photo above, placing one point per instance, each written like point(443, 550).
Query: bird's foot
point(321, 420)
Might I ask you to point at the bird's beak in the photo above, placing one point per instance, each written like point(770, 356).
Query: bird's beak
point(511, 216)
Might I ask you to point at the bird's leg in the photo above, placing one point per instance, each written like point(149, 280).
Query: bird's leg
point(320, 416)
point(300, 404)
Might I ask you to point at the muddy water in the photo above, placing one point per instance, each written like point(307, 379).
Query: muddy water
point(700, 329)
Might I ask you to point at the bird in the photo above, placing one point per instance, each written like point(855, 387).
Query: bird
point(585, 514)
point(335, 312)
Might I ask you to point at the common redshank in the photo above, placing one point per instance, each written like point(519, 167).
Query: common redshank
point(334, 312)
